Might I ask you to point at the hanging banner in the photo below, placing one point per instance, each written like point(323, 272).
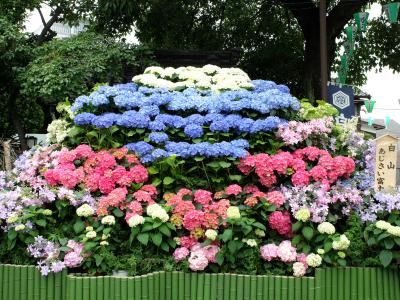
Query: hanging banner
point(342, 98)
point(361, 20)
point(344, 62)
point(342, 76)
point(392, 11)
point(369, 105)
point(385, 163)
point(349, 48)
point(349, 34)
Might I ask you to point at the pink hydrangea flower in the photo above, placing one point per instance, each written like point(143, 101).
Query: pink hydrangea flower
point(198, 261)
point(203, 197)
point(180, 253)
point(72, 259)
point(269, 252)
point(286, 252)
point(276, 198)
point(300, 178)
point(187, 241)
point(280, 221)
point(193, 219)
point(233, 189)
point(211, 252)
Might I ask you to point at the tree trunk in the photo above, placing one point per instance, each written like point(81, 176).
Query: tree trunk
point(7, 155)
point(15, 118)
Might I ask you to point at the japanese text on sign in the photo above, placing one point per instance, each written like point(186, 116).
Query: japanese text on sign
point(386, 161)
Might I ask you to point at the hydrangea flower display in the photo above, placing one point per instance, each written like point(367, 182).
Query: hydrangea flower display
point(196, 169)
point(165, 115)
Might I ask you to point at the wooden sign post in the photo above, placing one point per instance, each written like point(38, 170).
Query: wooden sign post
point(385, 163)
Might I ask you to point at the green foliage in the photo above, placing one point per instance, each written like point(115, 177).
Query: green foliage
point(307, 239)
point(378, 48)
point(323, 109)
point(384, 244)
point(70, 67)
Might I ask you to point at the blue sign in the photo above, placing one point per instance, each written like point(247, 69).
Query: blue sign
point(342, 98)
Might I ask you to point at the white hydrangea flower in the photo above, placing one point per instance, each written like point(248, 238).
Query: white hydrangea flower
point(108, 220)
point(302, 215)
point(299, 269)
point(227, 84)
point(211, 234)
point(154, 70)
point(89, 228)
point(211, 69)
point(162, 83)
point(57, 131)
point(326, 228)
point(314, 260)
point(104, 243)
point(12, 219)
point(251, 242)
point(91, 234)
point(203, 85)
point(19, 227)
point(208, 77)
point(342, 244)
point(383, 225)
point(85, 210)
point(135, 221)
point(168, 72)
point(156, 211)
point(394, 230)
point(321, 251)
point(233, 212)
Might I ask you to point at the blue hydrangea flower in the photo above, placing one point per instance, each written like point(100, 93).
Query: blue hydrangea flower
point(79, 103)
point(105, 120)
point(141, 148)
point(193, 131)
point(133, 119)
point(151, 110)
point(158, 137)
point(84, 119)
point(157, 126)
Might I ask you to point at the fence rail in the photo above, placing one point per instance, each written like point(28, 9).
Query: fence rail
point(26, 283)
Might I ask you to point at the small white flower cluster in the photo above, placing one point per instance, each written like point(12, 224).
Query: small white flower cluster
point(12, 219)
point(85, 210)
point(156, 211)
point(314, 260)
point(91, 234)
point(209, 77)
point(326, 228)
point(299, 269)
point(233, 212)
point(383, 225)
point(211, 234)
point(19, 227)
point(250, 242)
point(135, 221)
point(57, 131)
point(342, 244)
point(108, 220)
point(303, 215)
